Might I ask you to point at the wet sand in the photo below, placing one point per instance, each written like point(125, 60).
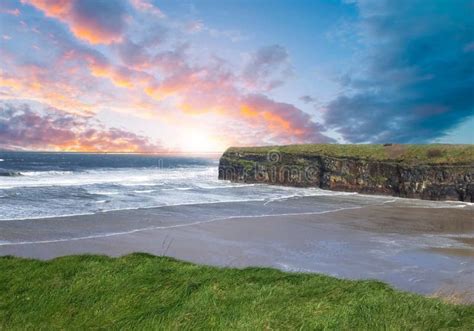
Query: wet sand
point(413, 248)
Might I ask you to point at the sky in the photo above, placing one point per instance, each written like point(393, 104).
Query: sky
point(200, 76)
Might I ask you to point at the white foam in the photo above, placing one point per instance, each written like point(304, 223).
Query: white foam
point(307, 193)
point(419, 203)
point(45, 173)
point(124, 177)
point(20, 218)
point(178, 189)
point(104, 192)
point(457, 235)
point(222, 186)
point(193, 203)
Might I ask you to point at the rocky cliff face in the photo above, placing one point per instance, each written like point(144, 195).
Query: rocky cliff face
point(422, 181)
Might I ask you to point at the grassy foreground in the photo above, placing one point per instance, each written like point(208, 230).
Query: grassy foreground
point(412, 154)
point(141, 291)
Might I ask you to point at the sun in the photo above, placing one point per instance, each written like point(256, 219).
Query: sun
point(197, 141)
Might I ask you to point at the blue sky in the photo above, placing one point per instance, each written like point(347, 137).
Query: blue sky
point(142, 75)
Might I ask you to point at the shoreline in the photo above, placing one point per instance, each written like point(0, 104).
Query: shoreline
point(415, 249)
point(329, 193)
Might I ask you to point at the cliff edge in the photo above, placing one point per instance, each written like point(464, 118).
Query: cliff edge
point(431, 172)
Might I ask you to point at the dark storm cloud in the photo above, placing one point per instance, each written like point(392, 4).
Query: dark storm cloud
point(418, 81)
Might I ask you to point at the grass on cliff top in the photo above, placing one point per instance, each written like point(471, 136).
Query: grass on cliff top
point(415, 154)
point(141, 291)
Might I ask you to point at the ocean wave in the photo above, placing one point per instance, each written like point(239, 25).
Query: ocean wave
point(144, 191)
point(46, 194)
point(46, 173)
point(178, 189)
point(9, 173)
point(222, 186)
point(202, 199)
point(139, 184)
point(123, 177)
point(103, 192)
point(159, 205)
point(430, 204)
point(28, 218)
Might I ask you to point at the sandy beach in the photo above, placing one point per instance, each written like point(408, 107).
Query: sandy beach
point(413, 248)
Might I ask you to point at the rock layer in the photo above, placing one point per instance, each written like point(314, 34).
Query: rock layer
point(422, 181)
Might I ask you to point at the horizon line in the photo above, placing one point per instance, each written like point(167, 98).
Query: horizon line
point(106, 152)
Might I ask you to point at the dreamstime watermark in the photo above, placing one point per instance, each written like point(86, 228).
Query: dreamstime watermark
point(274, 156)
point(271, 169)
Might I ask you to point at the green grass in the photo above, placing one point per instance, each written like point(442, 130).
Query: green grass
point(413, 154)
point(141, 291)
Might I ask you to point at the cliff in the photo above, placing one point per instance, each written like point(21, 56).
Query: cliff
point(432, 172)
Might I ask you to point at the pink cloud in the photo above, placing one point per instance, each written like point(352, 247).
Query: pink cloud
point(95, 21)
point(11, 11)
point(119, 75)
point(288, 123)
point(54, 130)
point(147, 7)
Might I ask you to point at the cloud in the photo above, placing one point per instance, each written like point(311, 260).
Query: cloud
point(213, 88)
point(198, 26)
point(50, 129)
point(73, 78)
point(121, 76)
point(137, 53)
point(95, 21)
point(147, 7)
point(287, 123)
point(267, 68)
point(145, 74)
point(133, 54)
point(34, 82)
point(194, 26)
point(307, 99)
point(10, 11)
point(418, 80)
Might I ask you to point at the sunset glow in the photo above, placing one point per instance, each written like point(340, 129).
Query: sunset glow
point(150, 75)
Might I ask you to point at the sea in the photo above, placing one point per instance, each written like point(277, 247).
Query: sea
point(41, 185)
